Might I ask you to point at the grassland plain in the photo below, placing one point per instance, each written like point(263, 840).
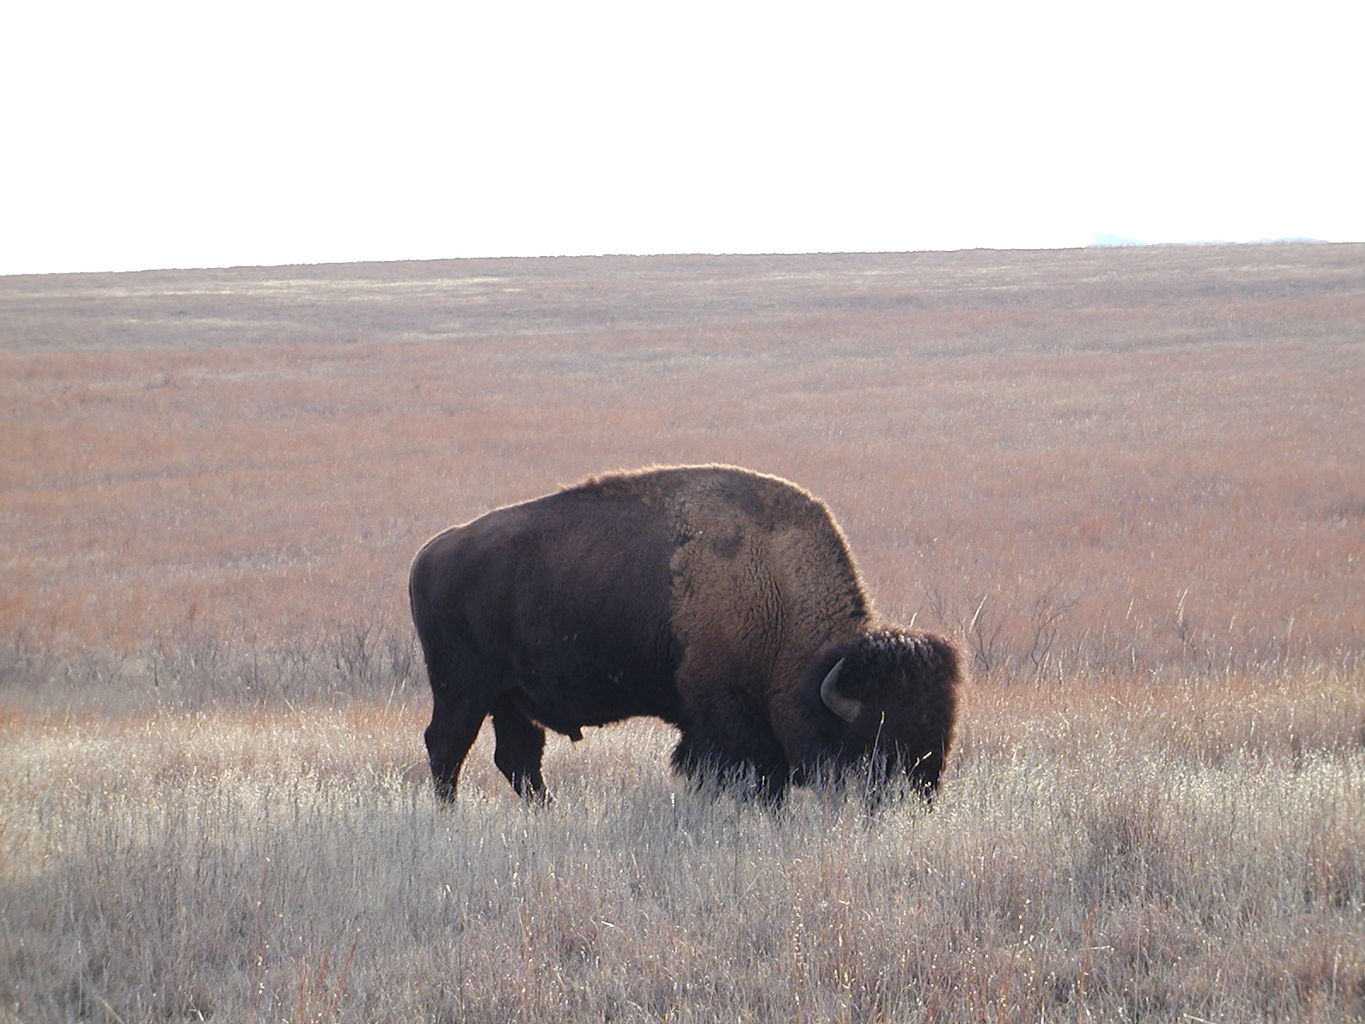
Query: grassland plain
point(1131, 480)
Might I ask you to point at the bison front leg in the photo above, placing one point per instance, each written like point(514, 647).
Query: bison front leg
point(520, 748)
point(709, 766)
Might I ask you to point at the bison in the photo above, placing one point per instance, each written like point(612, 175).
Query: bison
point(718, 599)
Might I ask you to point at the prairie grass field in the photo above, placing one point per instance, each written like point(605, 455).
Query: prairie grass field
point(1131, 481)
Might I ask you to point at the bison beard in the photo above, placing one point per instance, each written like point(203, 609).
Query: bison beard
point(718, 599)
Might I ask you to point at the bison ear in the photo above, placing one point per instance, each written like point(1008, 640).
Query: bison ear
point(847, 708)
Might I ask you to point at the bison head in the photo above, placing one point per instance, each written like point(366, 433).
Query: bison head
point(883, 707)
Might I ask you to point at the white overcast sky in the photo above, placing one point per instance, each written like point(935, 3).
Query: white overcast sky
point(141, 135)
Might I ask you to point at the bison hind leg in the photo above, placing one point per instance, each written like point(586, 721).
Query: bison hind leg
point(448, 738)
point(519, 751)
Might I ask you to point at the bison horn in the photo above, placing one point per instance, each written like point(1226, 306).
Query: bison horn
point(846, 708)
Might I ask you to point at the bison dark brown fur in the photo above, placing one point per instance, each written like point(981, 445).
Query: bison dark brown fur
point(718, 599)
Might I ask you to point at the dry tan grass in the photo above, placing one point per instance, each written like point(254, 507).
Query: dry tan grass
point(1097, 854)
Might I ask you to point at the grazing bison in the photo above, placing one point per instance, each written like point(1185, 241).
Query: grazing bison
point(718, 599)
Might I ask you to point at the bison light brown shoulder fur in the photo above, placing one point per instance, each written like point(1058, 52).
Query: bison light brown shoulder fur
point(719, 599)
